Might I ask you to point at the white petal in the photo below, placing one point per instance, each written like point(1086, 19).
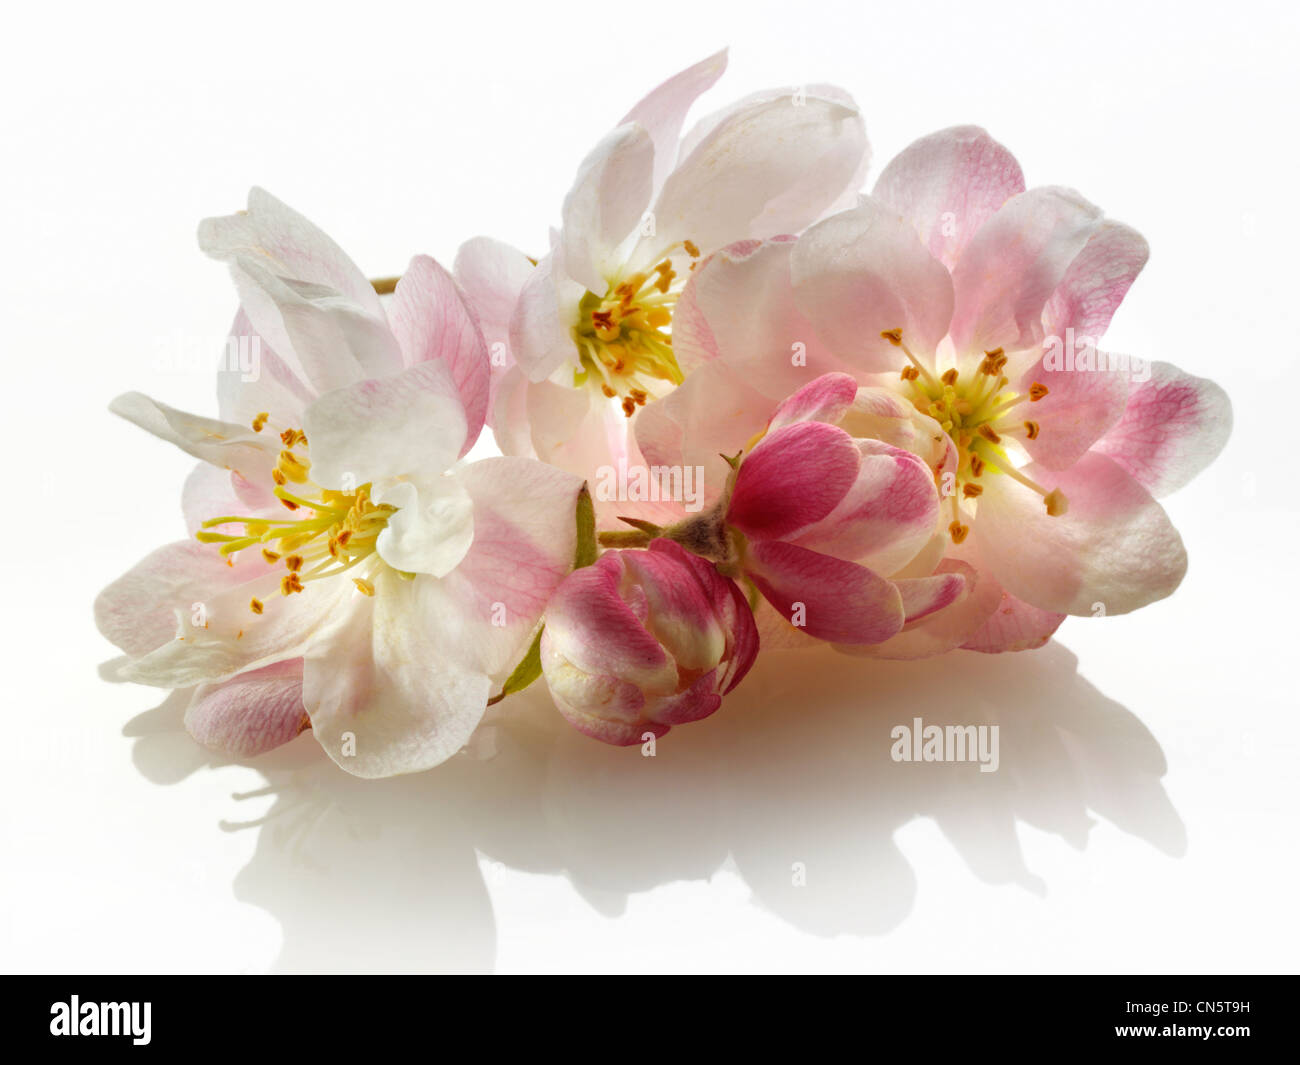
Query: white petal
point(230, 447)
point(408, 424)
point(770, 168)
point(433, 526)
point(382, 696)
point(609, 195)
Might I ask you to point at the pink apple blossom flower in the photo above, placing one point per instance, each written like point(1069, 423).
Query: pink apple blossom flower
point(346, 572)
point(584, 338)
point(946, 295)
point(644, 640)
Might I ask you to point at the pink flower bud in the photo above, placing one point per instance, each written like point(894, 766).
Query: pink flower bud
point(644, 640)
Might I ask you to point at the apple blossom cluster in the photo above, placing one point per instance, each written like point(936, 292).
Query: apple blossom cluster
point(739, 403)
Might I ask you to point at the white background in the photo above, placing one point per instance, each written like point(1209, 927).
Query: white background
point(1143, 818)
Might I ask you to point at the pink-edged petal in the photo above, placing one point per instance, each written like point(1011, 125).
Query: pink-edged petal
point(492, 275)
point(830, 599)
point(138, 611)
point(793, 478)
point(411, 423)
point(302, 294)
point(864, 271)
point(1013, 625)
point(1008, 623)
point(694, 704)
point(382, 695)
point(1080, 406)
point(251, 713)
point(1173, 426)
point(945, 629)
point(591, 627)
point(1114, 550)
point(576, 429)
point(324, 338)
point(296, 248)
point(252, 379)
point(486, 610)
point(609, 195)
point(682, 597)
point(621, 703)
point(947, 185)
point(882, 414)
point(886, 517)
point(923, 596)
point(663, 110)
point(1012, 266)
point(826, 399)
point(218, 636)
point(714, 413)
point(769, 167)
point(1097, 281)
point(433, 323)
point(739, 307)
point(227, 446)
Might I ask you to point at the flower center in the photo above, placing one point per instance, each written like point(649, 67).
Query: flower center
point(337, 534)
point(980, 414)
point(624, 338)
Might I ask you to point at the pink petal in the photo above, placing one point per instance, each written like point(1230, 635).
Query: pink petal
point(492, 274)
point(862, 272)
point(1080, 406)
point(1013, 265)
point(793, 478)
point(694, 704)
point(838, 601)
point(943, 630)
point(1114, 550)
point(251, 713)
point(484, 613)
point(1014, 625)
point(714, 413)
point(1172, 428)
point(923, 596)
point(948, 185)
point(1097, 281)
point(138, 611)
point(827, 399)
point(680, 598)
point(739, 306)
point(433, 323)
point(590, 625)
point(887, 516)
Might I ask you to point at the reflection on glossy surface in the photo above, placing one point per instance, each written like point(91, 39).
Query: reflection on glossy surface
point(795, 769)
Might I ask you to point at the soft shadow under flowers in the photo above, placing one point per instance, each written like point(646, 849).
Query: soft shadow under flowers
point(791, 781)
